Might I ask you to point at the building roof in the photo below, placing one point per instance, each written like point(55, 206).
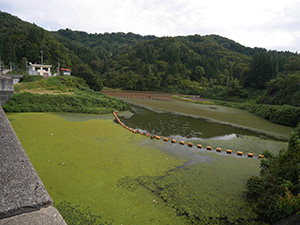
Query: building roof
point(39, 65)
point(63, 69)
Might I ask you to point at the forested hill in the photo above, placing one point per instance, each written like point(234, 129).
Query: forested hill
point(103, 45)
point(22, 42)
point(185, 64)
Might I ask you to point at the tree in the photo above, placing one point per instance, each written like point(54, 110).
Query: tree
point(83, 71)
point(198, 73)
point(293, 64)
point(283, 90)
point(279, 176)
point(262, 69)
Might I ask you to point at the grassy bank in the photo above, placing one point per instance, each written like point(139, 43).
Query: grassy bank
point(286, 115)
point(97, 170)
point(60, 94)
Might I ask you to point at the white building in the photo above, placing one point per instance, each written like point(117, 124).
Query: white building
point(37, 69)
point(65, 72)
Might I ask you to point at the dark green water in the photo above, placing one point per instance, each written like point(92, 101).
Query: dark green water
point(173, 125)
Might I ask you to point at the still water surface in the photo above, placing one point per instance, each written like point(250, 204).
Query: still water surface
point(174, 125)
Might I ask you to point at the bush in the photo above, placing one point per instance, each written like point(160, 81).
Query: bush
point(31, 78)
point(285, 115)
point(92, 102)
point(279, 176)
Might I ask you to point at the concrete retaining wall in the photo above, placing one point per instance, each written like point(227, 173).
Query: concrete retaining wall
point(23, 197)
point(6, 89)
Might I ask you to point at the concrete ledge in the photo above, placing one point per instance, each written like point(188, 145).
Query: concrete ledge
point(48, 215)
point(5, 96)
point(6, 89)
point(21, 189)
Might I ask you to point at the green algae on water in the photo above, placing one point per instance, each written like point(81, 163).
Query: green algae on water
point(120, 177)
point(81, 162)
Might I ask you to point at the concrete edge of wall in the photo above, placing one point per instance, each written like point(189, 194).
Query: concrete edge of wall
point(22, 193)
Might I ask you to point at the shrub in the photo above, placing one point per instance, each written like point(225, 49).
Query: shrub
point(31, 78)
point(81, 103)
point(279, 177)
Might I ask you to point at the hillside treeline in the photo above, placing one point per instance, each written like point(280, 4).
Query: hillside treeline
point(275, 194)
point(210, 66)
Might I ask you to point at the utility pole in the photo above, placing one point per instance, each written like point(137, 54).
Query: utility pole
point(10, 66)
point(58, 69)
point(0, 68)
point(42, 57)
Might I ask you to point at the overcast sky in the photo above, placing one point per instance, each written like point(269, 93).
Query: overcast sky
point(271, 24)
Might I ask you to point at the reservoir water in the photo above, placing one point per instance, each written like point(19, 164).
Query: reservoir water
point(174, 125)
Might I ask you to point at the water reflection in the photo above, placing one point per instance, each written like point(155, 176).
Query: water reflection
point(182, 127)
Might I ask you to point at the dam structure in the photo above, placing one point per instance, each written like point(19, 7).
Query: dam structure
point(23, 197)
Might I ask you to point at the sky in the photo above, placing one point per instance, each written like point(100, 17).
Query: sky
point(270, 24)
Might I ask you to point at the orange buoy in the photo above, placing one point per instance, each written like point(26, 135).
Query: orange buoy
point(166, 139)
point(250, 155)
point(208, 147)
point(239, 153)
point(260, 156)
point(173, 141)
point(199, 146)
point(157, 137)
point(190, 144)
point(147, 135)
point(181, 142)
point(219, 149)
point(228, 151)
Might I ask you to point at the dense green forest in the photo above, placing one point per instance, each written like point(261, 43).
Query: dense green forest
point(264, 82)
point(210, 66)
point(184, 64)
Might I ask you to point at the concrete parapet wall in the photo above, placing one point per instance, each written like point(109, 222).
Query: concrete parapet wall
point(22, 193)
point(6, 89)
point(6, 84)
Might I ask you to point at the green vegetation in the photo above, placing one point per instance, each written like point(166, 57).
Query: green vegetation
point(90, 46)
point(245, 144)
point(21, 43)
point(187, 64)
point(60, 94)
point(262, 69)
point(81, 162)
point(206, 193)
point(95, 170)
point(77, 215)
point(28, 78)
point(283, 90)
point(103, 172)
point(276, 192)
point(285, 115)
